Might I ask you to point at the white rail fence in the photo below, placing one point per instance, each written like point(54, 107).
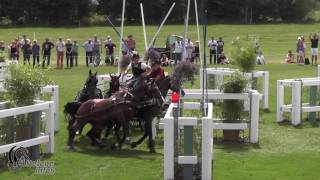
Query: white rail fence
point(46, 137)
point(219, 74)
point(297, 107)
point(208, 125)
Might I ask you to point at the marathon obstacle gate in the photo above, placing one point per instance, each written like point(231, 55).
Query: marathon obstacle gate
point(207, 125)
point(297, 107)
point(216, 76)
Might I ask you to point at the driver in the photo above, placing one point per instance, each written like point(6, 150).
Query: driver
point(139, 70)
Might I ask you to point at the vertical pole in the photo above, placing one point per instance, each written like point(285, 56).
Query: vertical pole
point(144, 28)
point(313, 102)
point(280, 101)
point(121, 35)
point(265, 90)
point(296, 102)
point(198, 29)
point(55, 99)
point(168, 134)
point(50, 127)
point(35, 132)
point(318, 70)
point(175, 112)
point(186, 32)
point(254, 125)
point(206, 148)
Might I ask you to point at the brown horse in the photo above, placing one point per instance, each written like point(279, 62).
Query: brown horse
point(118, 110)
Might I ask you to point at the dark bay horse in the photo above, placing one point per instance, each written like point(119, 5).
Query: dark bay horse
point(90, 90)
point(114, 85)
point(101, 112)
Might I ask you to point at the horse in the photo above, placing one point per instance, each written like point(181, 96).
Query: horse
point(101, 112)
point(90, 90)
point(114, 85)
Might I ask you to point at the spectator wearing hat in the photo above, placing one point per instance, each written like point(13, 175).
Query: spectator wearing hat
point(164, 60)
point(110, 46)
point(69, 53)
point(88, 46)
point(60, 47)
point(46, 52)
point(35, 53)
point(139, 69)
point(75, 53)
point(27, 51)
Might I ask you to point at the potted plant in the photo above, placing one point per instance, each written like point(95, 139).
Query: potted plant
point(22, 86)
point(233, 110)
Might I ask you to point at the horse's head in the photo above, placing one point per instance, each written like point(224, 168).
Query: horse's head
point(114, 82)
point(91, 84)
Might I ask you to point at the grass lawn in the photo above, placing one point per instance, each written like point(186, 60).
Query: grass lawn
point(283, 152)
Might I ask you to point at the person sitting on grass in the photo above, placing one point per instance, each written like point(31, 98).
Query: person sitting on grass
point(260, 59)
point(223, 59)
point(164, 60)
point(289, 58)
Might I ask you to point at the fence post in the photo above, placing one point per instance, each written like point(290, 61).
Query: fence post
point(55, 92)
point(265, 90)
point(313, 102)
point(35, 132)
point(188, 151)
point(50, 127)
point(168, 134)
point(254, 125)
point(296, 102)
point(280, 100)
point(206, 148)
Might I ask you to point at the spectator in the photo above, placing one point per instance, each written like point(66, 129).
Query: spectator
point(14, 51)
point(75, 53)
point(131, 43)
point(18, 45)
point(27, 51)
point(110, 52)
point(289, 58)
point(88, 46)
point(220, 45)
point(314, 48)
point(24, 40)
point(304, 47)
point(212, 44)
point(300, 58)
point(177, 51)
point(260, 58)
point(107, 40)
point(60, 47)
point(2, 46)
point(164, 60)
point(46, 52)
point(96, 50)
point(35, 53)
point(189, 49)
point(69, 53)
point(196, 52)
point(223, 59)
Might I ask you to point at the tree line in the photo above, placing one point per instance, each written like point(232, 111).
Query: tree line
point(92, 12)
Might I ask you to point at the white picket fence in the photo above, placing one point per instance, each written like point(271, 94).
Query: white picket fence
point(46, 137)
point(208, 125)
point(297, 107)
point(221, 72)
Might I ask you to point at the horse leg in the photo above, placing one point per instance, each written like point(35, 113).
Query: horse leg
point(95, 136)
point(115, 145)
point(73, 126)
point(91, 137)
point(125, 127)
point(151, 142)
point(135, 144)
point(109, 128)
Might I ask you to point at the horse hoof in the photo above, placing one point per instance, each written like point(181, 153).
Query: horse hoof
point(133, 145)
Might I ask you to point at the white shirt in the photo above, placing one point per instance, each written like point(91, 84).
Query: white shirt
point(88, 46)
point(178, 47)
point(60, 46)
point(212, 44)
point(189, 45)
point(260, 59)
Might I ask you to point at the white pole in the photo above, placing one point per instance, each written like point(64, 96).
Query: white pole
point(144, 29)
point(280, 101)
point(296, 102)
point(34, 35)
point(254, 125)
point(198, 31)
point(121, 37)
point(164, 20)
point(186, 32)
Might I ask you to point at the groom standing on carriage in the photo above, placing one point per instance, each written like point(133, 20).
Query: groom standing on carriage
point(139, 70)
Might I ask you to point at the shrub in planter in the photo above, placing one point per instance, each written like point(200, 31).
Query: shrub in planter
point(232, 110)
point(23, 85)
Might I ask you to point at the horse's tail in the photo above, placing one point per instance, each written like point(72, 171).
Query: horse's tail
point(71, 108)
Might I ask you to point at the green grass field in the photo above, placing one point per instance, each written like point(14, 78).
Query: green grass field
point(283, 152)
